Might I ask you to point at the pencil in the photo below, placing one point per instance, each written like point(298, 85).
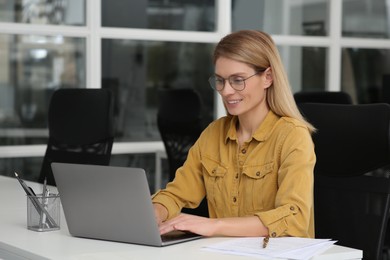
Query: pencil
point(265, 241)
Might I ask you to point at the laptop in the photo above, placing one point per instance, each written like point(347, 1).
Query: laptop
point(110, 203)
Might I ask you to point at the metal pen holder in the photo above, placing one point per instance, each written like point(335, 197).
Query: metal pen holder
point(43, 212)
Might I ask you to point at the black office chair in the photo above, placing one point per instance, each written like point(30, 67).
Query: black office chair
point(334, 97)
point(352, 185)
point(180, 124)
point(80, 129)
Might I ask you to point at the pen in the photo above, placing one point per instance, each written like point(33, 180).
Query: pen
point(38, 206)
point(42, 219)
point(265, 241)
point(27, 189)
point(45, 202)
point(30, 192)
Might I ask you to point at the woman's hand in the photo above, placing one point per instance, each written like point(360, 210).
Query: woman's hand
point(236, 226)
point(195, 224)
point(160, 212)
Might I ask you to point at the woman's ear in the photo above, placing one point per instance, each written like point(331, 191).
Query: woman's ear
point(268, 77)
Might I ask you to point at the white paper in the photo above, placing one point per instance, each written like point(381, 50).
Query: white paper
point(282, 247)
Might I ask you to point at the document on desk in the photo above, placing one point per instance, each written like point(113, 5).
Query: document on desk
point(282, 247)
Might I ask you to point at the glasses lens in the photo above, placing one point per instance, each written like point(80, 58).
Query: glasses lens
point(237, 83)
point(216, 83)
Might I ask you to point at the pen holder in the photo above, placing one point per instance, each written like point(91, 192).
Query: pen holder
point(43, 212)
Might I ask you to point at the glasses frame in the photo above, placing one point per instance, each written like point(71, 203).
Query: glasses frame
point(212, 81)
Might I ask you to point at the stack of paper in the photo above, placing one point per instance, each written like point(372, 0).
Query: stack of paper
point(282, 247)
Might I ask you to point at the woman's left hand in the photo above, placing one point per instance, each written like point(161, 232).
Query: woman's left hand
point(186, 222)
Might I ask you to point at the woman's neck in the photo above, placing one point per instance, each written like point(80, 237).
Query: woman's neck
point(248, 123)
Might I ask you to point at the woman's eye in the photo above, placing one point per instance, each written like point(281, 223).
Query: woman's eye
point(218, 80)
point(237, 80)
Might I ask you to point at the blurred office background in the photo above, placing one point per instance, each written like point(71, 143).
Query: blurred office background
point(138, 47)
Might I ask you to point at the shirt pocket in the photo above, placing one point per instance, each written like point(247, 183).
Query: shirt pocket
point(259, 188)
point(215, 181)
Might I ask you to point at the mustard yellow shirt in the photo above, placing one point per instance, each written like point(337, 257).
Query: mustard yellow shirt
point(269, 176)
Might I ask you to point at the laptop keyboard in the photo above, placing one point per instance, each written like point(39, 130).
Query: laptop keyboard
point(177, 235)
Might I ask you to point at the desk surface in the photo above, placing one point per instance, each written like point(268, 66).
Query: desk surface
point(17, 242)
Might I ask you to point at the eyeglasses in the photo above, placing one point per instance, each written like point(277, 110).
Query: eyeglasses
point(236, 82)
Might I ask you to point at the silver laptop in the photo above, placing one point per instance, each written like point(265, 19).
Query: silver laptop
point(110, 203)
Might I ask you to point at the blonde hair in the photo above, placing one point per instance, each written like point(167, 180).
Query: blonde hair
point(257, 49)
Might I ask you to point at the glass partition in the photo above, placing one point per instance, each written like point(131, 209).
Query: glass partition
point(135, 70)
point(32, 67)
point(58, 12)
point(306, 67)
point(367, 19)
point(366, 74)
point(188, 15)
point(305, 17)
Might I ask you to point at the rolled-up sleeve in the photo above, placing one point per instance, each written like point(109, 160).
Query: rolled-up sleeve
point(293, 212)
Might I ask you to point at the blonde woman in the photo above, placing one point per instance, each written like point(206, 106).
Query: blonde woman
point(255, 165)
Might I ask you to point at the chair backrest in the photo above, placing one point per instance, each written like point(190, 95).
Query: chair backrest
point(180, 125)
point(179, 122)
point(355, 138)
point(334, 97)
point(352, 185)
point(80, 129)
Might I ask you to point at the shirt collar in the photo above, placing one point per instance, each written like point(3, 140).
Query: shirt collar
point(262, 132)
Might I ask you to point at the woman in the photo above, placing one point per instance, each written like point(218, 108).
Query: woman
point(255, 166)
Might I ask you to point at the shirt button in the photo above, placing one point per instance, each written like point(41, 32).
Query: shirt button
point(234, 199)
point(273, 234)
point(292, 208)
point(257, 173)
point(243, 151)
point(236, 175)
point(241, 163)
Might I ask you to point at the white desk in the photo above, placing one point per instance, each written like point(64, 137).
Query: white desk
point(17, 242)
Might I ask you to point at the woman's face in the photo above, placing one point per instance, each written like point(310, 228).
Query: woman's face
point(253, 97)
